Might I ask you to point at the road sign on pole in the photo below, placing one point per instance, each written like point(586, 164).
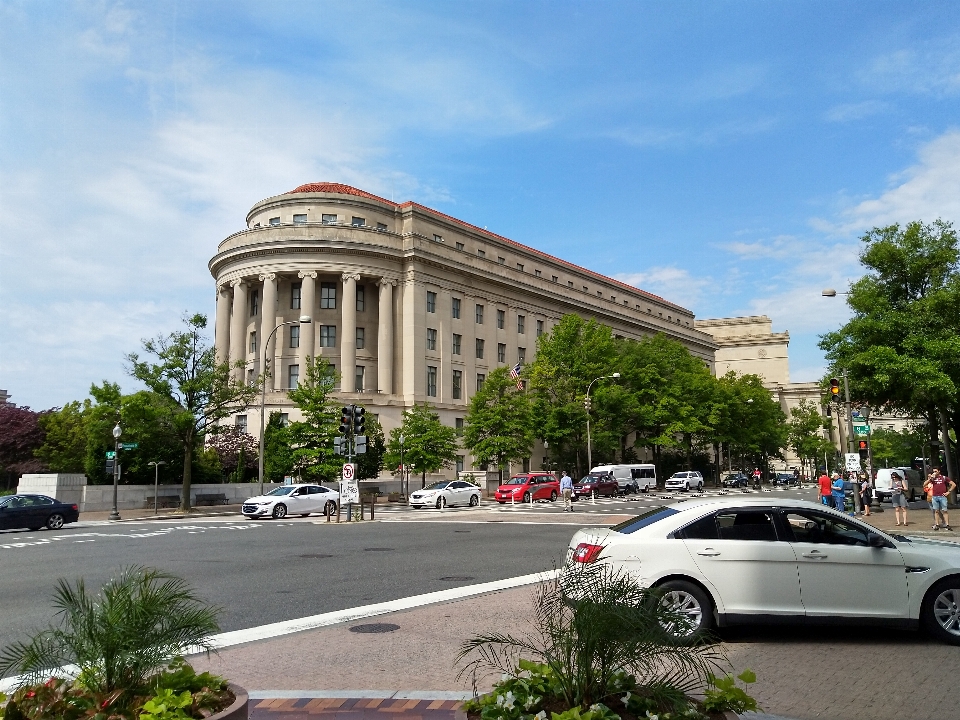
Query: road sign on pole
point(129, 446)
point(852, 461)
point(111, 454)
point(349, 471)
point(861, 429)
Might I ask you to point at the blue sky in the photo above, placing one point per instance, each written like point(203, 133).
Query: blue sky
point(726, 155)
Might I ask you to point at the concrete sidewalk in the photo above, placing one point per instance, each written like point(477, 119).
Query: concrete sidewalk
point(162, 513)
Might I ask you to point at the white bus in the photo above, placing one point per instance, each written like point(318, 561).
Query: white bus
point(631, 478)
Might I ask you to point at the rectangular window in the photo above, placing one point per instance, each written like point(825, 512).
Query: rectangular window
point(526, 464)
point(501, 352)
point(431, 301)
point(284, 419)
point(361, 338)
point(275, 221)
point(501, 260)
point(481, 253)
point(431, 381)
point(458, 425)
point(361, 295)
point(294, 336)
point(255, 302)
point(300, 219)
point(251, 378)
point(328, 336)
point(240, 421)
point(456, 343)
point(538, 273)
point(521, 354)
point(539, 328)
point(520, 320)
point(479, 348)
point(328, 219)
point(520, 267)
point(455, 310)
point(328, 296)
point(457, 384)
point(381, 227)
point(296, 290)
point(569, 283)
point(479, 315)
point(481, 379)
point(253, 341)
point(358, 221)
point(586, 289)
point(613, 298)
point(501, 319)
point(459, 246)
point(555, 278)
point(459, 464)
point(294, 375)
point(438, 238)
point(431, 339)
point(358, 387)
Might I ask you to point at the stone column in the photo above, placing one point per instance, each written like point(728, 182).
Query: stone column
point(222, 342)
point(308, 306)
point(268, 321)
point(238, 327)
point(348, 328)
point(385, 337)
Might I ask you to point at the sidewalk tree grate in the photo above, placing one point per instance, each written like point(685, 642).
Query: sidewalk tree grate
point(378, 549)
point(374, 628)
point(458, 578)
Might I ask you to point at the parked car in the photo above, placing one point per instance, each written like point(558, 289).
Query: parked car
point(35, 512)
point(599, 484)
point(526, 486)
point(446, 493)
point(685, 480)
point(732, 560)
point(737, 479)
point(882, 486)
point(785, 478)
point(637, 477)
point(301, 499)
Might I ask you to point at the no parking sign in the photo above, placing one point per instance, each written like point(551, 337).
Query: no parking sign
point(349, 470)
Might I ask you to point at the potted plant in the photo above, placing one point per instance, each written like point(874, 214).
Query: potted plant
point(118, 655)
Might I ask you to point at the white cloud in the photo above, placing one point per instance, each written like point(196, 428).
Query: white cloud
point(933, 69)
point(848, 112)
point(674, 284)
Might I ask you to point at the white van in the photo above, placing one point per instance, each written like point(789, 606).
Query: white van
point(882, 486)
point(631, 478)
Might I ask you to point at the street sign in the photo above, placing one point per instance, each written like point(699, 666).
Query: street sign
point(349, 471)
point(861, 429)
point(111, 454)
point(349, 492)
point(129, 446)
point(852, 461)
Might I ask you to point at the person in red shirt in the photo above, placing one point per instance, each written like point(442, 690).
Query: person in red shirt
point(938, 487)
point(825, 490)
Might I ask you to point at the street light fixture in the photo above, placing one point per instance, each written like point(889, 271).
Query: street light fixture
point(156, 478)
point(117, 432)
point(304, 320)
point(587, 405)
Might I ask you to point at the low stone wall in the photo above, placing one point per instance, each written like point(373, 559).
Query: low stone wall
point(65, 487)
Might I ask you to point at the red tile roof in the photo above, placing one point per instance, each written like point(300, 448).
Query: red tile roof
point(341, 189)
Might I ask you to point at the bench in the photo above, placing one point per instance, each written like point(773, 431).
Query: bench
point(164, 501)
point(211, 499)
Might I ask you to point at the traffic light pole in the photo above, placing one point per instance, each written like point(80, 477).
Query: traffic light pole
point(849, 413)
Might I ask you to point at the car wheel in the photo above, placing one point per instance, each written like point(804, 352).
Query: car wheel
point(941, 611)
point(474, 500)
point(55, 521)
point(526, 497)
point(304, 514)
point(441, 502)
point(279, 511)
point(913, 494)
point(502, 502)
point(553, 496)
point(694, 604)
point(330, 508)
point(416, 507)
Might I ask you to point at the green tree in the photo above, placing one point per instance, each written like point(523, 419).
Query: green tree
point(428, 444)
point(498, 427)
point(64, 446)
point(199, 391)
point(806, 432)
point(752, 422)
point(892, 448)
point(312, 437)
point(278, 457)
point(370, 463)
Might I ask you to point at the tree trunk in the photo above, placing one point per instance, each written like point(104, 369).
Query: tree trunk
point(187, 474)
point(423, 479)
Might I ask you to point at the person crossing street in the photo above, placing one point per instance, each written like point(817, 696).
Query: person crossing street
point(566, 489)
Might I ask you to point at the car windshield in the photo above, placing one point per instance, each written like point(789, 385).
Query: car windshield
point(678, 476)
point(519, 480)
point(436, 486)
point(285, 490)
point(651, 516)
point(587, 479)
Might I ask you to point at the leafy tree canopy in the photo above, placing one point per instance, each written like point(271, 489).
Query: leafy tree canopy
point(428, 444)
point(498, 427)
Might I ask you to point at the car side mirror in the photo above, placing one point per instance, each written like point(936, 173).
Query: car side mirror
point(876, 540)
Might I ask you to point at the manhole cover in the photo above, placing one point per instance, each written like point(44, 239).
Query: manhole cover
point(378, 549)
point(457, 578)
point(317, 556)
point(375, 628)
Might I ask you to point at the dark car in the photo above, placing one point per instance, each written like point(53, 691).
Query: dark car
point(35, 512)
point(735, 480)
point(785, 478)
point(597, 484)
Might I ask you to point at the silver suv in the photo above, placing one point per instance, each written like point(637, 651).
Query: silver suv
point(686, 481)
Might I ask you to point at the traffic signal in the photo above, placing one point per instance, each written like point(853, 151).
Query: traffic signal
point(109, 467)
point(834, 389)
point(346, 419)
point(586, 404)
point(864, 447)
point(358, 418)
point(338, 443)
point(360, 444)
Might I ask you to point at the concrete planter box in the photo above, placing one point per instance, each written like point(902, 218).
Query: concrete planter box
point(239, 710)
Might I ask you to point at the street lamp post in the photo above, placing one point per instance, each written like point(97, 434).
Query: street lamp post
point(156, 480)
point(586, 404)
point(304, 320)
point(403, 471)
point(115, 514)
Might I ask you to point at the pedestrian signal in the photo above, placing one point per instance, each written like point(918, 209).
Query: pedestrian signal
point(346, 419)
point(109, 467)
point(864, 447)
point(358, 419)
point(834, 388)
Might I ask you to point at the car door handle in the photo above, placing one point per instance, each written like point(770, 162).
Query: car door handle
point(815, 555)
point(708, 552)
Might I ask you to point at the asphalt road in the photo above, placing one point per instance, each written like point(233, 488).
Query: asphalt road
point(262, 572)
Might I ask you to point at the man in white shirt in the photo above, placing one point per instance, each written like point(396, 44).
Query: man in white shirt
point(566, 489)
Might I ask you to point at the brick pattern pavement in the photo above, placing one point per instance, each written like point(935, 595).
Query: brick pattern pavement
point(355, 709)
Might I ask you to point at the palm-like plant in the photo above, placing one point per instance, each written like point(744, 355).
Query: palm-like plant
point(592, 625)
point(118, 639)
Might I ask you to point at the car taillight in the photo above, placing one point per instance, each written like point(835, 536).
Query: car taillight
point(586, 553)
point(75, 508)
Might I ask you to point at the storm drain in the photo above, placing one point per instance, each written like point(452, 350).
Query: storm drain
point(374, 628)
point(458, 578)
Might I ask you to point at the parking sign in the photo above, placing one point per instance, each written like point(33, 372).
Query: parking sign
point(348, 471)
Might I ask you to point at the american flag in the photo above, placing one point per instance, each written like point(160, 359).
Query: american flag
point(515, 374)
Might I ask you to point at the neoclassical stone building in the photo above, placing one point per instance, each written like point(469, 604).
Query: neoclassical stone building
point(410, 305)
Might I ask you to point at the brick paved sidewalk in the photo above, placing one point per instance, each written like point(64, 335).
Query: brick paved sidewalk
point(355, 709)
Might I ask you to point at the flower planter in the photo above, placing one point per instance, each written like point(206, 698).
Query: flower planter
point(238, 710)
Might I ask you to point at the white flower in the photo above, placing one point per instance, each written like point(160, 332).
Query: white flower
point(626, 698)
point(499, 700)
point(542, 715)
point(506, 702)
point(652, 717)
point(504, 677)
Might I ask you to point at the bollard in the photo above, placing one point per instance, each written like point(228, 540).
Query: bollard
point(593, 496)
point(349, 512)
point(338, 511)
point(372, 503)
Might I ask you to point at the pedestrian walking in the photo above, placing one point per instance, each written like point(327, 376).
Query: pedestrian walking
point(866, 494)
point(837, 492)
point(566, 489)
point(898, 496)
point(756, 478)
point(825, 492)
point(938, 486)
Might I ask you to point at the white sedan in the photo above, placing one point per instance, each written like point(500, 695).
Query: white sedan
point(444, 493)
point(726, 561)
point(301, 499)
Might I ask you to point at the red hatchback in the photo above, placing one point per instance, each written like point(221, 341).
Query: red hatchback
point(527, 486)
